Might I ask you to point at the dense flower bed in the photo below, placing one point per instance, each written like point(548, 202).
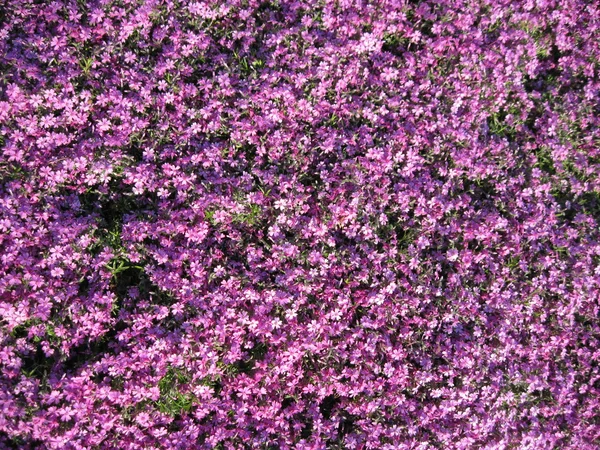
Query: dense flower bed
point(314, 225)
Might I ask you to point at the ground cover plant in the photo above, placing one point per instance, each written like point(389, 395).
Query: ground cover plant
point(326, 224)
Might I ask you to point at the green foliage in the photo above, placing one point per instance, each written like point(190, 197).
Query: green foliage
point(173, 400)
point(590, 204)
point(118, 265)
point(10, 171)
point(250, 217)
point(86, 65)
point(544, 161)
point(393, 42)
point(248, 67)
point(513, 263)
point(209, 216)
point(498, 125)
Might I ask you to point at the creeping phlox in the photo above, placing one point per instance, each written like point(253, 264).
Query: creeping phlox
point(300, 224)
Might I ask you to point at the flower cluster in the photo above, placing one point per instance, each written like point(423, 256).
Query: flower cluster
point(300, 224)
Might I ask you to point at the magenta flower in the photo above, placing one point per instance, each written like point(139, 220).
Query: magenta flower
point(312, 225)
